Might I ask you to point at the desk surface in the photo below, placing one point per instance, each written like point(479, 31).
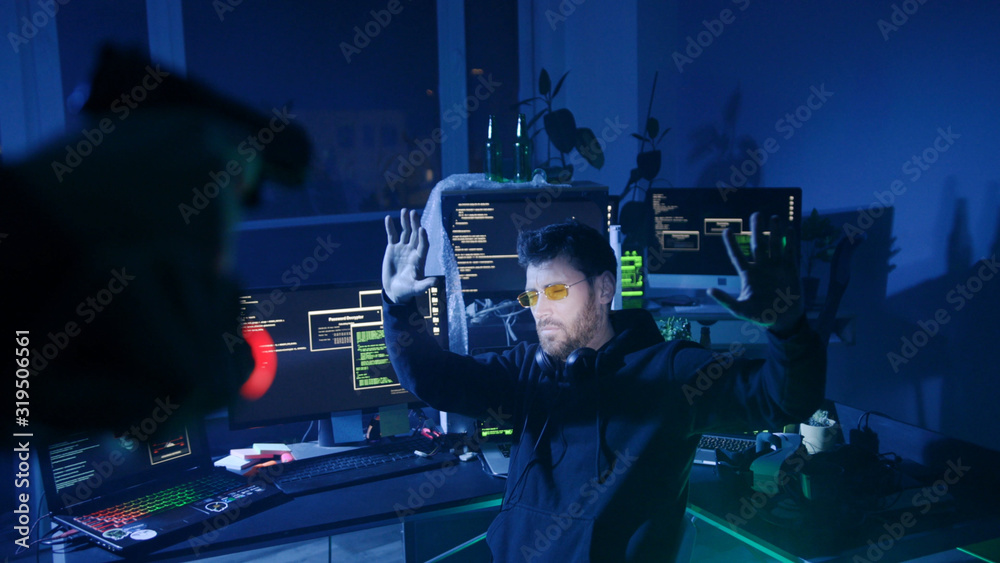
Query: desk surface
point(465, 487)
point(461, 486)
point(900, 535)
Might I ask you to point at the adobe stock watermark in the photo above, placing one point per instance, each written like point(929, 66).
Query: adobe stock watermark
point(925, 499)
point(536, 204)
point(899, 16)
point(90, 480)
point(695, 45)
point(295, 275)
point(46, 13)
point(227, 512)
point(88, 310)
point(958, 297)
point(706, 377)
point(589, 493)
point(786, 127)
point(566, 9)
point(436, 479)
point(364, 34)
point(224, 7)
point(914, 168)
point(752, 504)
point(122, 108)
point(454, 116)
point(248, 150)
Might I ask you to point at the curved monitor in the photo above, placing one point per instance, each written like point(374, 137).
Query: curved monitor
point(688, 255)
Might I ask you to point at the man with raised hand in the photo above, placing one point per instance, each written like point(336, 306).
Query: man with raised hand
point(607, 415)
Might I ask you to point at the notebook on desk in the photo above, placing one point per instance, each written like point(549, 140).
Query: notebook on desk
point(495, 443)
point(133, 493)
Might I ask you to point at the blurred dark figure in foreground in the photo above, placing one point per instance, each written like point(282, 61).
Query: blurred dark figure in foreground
point(116, 263)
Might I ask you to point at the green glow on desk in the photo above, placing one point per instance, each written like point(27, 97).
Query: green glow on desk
point(743, 536)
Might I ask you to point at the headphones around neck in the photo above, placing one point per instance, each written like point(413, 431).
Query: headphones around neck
point(579, 365)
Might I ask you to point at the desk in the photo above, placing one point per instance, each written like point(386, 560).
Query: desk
point(417, 497)
point(470, 490)
point(736, 511)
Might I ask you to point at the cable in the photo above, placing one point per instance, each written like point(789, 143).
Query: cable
point(21, 549)
point(534, 449)
point(306, 435)
point(867, 416)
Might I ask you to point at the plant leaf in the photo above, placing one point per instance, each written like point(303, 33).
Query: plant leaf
point(536, 117)
point(560, 126)
point(544, 82)
point(652, 127)
point(589, 148)
point(667, 130)
point(649, 164)
point(633, 177)
point(640, 137)
point(559, 84)
point(522, 102)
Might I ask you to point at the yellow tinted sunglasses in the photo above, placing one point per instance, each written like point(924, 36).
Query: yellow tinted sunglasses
point(554, 292)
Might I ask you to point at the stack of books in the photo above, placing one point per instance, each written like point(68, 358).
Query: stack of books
point(240, 459)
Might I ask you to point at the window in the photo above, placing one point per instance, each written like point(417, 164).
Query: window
point(359, 75)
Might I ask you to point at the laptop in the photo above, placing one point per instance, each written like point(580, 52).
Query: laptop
point(710, 444)
point(495, 442)
point(140, 490)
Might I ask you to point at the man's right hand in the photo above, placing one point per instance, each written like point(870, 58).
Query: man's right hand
point(405, 256)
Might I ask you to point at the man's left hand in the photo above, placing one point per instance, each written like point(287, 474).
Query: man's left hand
point(770, 290)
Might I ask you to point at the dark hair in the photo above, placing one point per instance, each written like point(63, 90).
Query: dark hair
point(586, 248)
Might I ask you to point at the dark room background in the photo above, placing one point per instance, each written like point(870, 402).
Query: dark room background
point(865, 106)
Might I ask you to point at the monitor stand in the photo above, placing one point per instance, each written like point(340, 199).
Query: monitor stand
point(340, 428)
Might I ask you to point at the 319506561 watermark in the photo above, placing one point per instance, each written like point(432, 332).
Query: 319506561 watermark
point(22, 439)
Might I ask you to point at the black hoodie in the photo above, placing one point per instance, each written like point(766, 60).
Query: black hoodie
point(601, 459)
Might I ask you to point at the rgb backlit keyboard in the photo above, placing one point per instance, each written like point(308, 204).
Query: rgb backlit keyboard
point(184, 494)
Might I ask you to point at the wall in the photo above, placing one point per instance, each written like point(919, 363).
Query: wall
point(863, 105)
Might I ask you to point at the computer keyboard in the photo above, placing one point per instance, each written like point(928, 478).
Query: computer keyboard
point(728, 443)
point(702, 309)
point(121, 515)
point(368, 463)
point(709, 443)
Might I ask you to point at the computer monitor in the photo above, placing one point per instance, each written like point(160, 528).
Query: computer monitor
point(687, 255)
point(483, 226)
point(632, 279)
point(320, 349)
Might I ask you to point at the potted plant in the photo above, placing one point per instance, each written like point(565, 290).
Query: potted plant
point(819, 433)
point(564, 135)
point(818, 243)
point(635, 216)
point(647, 162)
point(727, 152)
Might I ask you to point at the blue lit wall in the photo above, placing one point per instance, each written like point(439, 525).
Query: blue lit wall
point(902, 79)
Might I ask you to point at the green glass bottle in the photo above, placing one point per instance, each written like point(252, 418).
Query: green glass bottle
point(493, 162)
point(522, 151)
